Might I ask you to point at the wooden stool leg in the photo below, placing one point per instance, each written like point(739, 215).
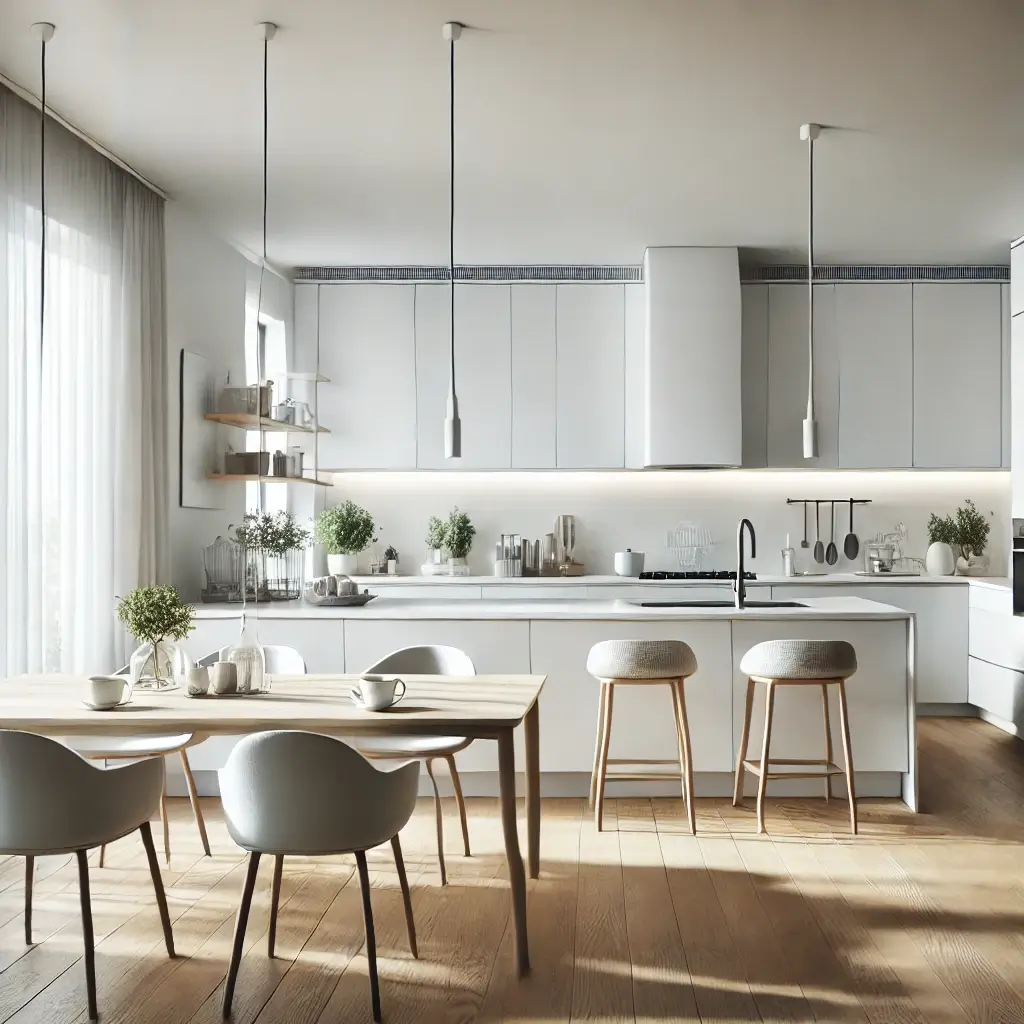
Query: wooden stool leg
point(238, 943)
point(828, 739)
point(847, 755)
point(685, 760)
point(460, 800)
point(166, 822)
point(440, 823)
point(602, 761)
point(737, 789)
point(602, 710)
point(275, 899)
point(762, 782)
point(403, 881)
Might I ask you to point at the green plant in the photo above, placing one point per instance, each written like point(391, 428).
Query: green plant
point(459, 533)
point(941, 530)
point(972, 529)
point(390, 554)
point(154, 614)
point(273, 534)
point(344, 529)
point(436, 533)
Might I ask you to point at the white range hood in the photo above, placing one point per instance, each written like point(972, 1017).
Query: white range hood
point(693, 415)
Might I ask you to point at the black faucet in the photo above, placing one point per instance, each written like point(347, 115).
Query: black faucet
point(740, 587)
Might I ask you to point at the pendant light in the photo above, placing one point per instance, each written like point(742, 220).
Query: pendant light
point(43, 31)
point(808, 133)
point(451, 31)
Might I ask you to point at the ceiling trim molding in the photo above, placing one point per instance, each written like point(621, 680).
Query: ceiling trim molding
point(797, 273)
point(561, 273)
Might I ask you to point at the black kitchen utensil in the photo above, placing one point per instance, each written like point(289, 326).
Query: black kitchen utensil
point(851, 545)
point(804, 543)
point(819, 547)
point(832, 552)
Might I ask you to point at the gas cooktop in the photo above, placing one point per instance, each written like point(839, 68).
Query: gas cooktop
point(717, 574)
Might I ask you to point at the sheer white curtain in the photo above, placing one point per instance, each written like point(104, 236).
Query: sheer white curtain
point(83, 445)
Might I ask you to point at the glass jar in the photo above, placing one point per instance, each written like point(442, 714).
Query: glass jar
point(247, 656)
point(159, 666)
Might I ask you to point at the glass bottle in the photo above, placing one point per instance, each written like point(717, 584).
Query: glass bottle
point(247, 656)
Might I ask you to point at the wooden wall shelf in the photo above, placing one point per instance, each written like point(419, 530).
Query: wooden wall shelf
point(250, 421)
point(229, 478)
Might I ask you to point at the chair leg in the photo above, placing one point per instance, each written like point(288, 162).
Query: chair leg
point(602, 759)
point(158, 886)
point(685, 757)
point(103, 855)
point(460, 800)
point(371, 942)
point(193, 797)
point(239, 941)
point(403, 881)
point(87, 935)
point(762, 782)
point(737, 789)
point(847, 755)
point(30, 871)
point(166, 823)
point(275, 898)
point(601, 711)
point(440, 823)
point(828, 740)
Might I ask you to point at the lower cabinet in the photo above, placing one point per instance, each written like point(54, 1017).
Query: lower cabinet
point(998, 690)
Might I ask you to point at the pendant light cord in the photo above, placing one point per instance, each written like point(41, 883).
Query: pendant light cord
point(810, 278)
point(451, 201)
point(42, 203)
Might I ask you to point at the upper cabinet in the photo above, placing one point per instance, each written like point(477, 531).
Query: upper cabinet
point(1017, 279)
point(367, 349)
point(589, 368)
point(754, 374)
point(787, 376)
point(875, 327)
point(957, 376)
point(533, 376)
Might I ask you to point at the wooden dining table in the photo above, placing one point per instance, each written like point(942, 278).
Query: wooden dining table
point(483, 707)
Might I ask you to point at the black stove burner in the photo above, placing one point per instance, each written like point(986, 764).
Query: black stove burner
point(717, 574)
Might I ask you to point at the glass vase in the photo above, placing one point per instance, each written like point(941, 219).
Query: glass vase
point(159, 666)
point(247, 656)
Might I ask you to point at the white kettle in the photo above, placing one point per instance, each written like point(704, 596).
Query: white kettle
point(629, 562)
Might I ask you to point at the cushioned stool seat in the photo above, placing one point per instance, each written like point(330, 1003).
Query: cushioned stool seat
point(641, 663)
point(820, 663)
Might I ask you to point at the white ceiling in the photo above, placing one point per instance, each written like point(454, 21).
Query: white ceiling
point(587, 128)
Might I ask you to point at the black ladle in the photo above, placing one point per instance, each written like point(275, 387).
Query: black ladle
point(851, 545)
point(819, 547)
point(832, 552)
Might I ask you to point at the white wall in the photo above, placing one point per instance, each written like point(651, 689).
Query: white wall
point(616, 510)
point(211, 291)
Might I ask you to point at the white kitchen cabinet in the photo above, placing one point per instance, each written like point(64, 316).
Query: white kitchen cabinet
point(367, 350)
point(875, 328)
point(876, 697)
point(590, 343)
point(635, 399)
point(957, 376)
point(641, 713)
point(999, 691)
point(627, 591)
point(1017, 279)
point(533, 376)
point(942, 630)
point(483, 374)
point(754, 374)
point(1006, 426)
point(787, 376)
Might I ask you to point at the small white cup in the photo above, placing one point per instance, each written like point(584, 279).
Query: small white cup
point(224, 677)
point(380, 692)
point(198, 681)
point(108, 691)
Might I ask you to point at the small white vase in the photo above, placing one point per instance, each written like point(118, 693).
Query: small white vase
point(392, 566)
point(342, 565)
point(939, 559)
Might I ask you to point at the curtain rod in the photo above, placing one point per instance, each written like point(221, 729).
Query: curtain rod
point(32, 99)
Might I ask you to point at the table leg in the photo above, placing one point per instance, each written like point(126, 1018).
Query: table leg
point(516, 874)
point(531, 731)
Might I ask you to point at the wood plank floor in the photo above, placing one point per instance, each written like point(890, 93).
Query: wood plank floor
point(920, 919)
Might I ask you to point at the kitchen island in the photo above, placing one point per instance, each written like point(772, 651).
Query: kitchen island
point(552, 637)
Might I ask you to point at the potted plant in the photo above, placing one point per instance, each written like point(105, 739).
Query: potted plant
point(344, 531)
point(458, 534)
point(971, 534)
point(939, 560)
point(391, 557)
point(435, 546)
point(273, 544)
point(157, 616)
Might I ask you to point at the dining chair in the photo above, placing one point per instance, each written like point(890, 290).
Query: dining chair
point(303, 794)
point(425, 661)
point(53, 802)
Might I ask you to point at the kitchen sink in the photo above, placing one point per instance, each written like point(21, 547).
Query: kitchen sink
point(721, 604)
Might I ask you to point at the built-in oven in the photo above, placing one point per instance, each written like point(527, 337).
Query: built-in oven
point(1018, 567)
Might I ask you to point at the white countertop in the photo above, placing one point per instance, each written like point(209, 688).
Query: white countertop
point(763, 579)
point(819, 608)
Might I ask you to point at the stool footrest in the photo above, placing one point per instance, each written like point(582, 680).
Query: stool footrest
point(643, 776)
point(827, 768)
point(643, 760)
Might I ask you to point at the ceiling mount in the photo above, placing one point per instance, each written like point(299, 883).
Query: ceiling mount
point(452, 31)
point(809, 132)
point(267, 29)
point(43, 30)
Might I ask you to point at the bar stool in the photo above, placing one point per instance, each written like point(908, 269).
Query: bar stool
point(821, 663)
point(640, 663)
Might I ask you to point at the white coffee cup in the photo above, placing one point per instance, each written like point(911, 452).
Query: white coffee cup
point(108, 691)
point(380, 692)
point(224, 677)
point(197, 681)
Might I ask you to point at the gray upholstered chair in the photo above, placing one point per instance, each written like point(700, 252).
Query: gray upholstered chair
point(302, 794)
point(425, 661)
point(53, 801)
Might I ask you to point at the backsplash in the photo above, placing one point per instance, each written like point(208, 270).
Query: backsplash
point(638, 510)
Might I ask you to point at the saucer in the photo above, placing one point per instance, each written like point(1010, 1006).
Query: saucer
point(102, 707)
point(358, 701)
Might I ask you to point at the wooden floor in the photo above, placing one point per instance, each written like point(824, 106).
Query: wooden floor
point(921, 919)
